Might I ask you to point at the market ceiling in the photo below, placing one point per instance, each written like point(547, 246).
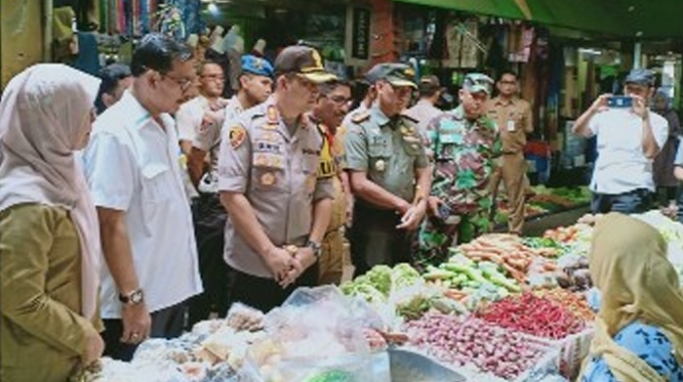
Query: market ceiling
point(641, 19)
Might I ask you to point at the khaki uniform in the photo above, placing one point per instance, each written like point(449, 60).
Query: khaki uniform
point(388, 151)
point(514, 123)
point(277, 172)
point(331, 263)
point(208, 139)
point(43, 333)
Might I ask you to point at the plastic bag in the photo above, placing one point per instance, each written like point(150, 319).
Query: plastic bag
point(318, 334)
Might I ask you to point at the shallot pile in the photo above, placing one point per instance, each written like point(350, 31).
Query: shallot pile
point(533, 315)
point(471, 341)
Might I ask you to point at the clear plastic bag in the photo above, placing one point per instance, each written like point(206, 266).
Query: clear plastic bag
point(318, 334)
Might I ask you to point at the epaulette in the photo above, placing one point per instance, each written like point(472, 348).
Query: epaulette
point(361, 116)
point(410, 118)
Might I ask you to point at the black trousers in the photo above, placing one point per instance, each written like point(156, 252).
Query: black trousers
point(632, 202)
point(209, 222)
point(375, 239)
point(266, 294)
point(166, 323)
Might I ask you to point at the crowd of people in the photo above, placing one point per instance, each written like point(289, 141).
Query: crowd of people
point(139, 204)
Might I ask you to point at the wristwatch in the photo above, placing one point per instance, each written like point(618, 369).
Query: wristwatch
point(135, 297)
point(316, 247)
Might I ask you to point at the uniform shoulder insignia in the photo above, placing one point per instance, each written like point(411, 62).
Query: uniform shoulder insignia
point(410, 118)
point(361, 116)
point(236, 135)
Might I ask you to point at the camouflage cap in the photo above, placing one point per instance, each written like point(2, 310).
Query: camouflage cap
point(394, 73)
point(477, 82)
point(304, 61)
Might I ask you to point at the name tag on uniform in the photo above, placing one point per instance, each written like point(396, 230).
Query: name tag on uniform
point(511, 125)
point(447, 138)
point(267, 147)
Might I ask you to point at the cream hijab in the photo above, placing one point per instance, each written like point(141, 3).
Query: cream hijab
point(43, 113)
point(628, 263)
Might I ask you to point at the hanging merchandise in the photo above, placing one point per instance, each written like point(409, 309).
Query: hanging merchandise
point(170, 22)
point(462, 44)
point(521, 40)
point(470, 47)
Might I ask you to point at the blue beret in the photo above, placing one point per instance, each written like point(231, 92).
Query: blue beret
point(255, 65)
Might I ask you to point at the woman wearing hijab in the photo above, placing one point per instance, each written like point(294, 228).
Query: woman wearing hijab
point(639, 329)
point(49, 235)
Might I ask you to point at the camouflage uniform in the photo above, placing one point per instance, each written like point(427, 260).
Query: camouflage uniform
point(464, 153)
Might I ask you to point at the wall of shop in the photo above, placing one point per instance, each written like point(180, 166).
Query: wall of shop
point(21, 36)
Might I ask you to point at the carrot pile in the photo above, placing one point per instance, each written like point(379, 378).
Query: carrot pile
point(507, 251)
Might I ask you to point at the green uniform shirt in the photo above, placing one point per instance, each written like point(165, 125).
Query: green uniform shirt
point(387, 150)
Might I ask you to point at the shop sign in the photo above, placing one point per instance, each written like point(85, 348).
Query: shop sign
point(360, 45)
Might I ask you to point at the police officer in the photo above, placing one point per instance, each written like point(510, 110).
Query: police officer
point(388, 171)
point(278, 207)
point(255, 87)
point(465, 143)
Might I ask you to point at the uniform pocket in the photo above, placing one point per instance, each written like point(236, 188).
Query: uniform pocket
point(154, 187)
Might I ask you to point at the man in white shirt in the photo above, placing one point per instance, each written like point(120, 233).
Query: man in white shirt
point(145, 221)
point(256, 85)
point(195, 115)
point(628, 139)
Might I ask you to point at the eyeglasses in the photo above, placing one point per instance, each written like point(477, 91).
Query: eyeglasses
point(183, 83)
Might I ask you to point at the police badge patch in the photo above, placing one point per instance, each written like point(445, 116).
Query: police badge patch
point(236, 135)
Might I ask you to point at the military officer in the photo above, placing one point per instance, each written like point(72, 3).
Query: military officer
point(388, 172)
point(465, 143)
point(278, 208)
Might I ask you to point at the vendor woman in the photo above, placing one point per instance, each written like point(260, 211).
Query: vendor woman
point(639, 329)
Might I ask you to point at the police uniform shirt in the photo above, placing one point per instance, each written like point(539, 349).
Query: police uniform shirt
point(209, 139)
point(388, 152)
point(278, 173)
point(514, 122)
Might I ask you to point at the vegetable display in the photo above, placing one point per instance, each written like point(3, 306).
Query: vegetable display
point(574, 302)
point(533, 315)
point(474, 342)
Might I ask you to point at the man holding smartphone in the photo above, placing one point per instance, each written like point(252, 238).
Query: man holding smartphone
point(629, 137)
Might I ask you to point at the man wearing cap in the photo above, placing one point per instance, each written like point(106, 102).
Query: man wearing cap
point(278, 207)
point(465, 143)
point(367, 85)
point(513, 118)
point(628, 140)
point(425, 110)
point(256, 85)
point(389, 173)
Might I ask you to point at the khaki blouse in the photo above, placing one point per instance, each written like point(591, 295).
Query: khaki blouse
point(42, 334)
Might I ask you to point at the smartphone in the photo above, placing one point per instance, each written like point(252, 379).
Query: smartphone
point(619, 101)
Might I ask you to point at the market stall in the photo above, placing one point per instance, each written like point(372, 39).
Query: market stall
point(502, 308)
